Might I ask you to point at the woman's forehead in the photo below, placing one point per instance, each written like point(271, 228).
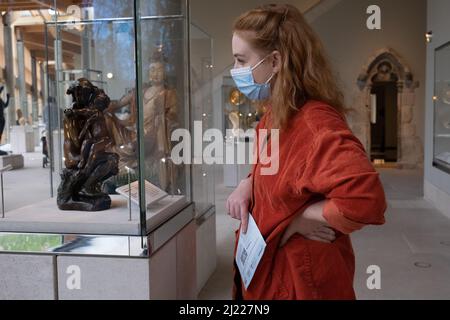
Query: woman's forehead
point(241, 47)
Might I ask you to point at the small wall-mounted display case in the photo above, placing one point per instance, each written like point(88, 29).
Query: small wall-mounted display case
point(442, 109)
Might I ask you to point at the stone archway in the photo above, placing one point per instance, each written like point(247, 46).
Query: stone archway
point(410, 148)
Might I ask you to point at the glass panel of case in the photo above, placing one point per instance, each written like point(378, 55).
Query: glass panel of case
point(202, 114)
point(164, 94)
point(23, 99)
point(240, 113)
point(442, 109)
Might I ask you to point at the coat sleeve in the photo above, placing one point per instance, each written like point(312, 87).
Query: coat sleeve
point(337, 166)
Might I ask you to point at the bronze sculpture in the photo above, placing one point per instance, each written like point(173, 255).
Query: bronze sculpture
point(3, 106)
point(86, 150)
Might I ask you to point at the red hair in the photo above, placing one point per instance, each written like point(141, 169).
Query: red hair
point(305, 72)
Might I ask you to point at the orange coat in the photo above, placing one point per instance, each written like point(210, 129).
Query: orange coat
point(319, 158)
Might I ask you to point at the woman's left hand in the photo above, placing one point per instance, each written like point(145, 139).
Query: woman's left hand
point(310, 224)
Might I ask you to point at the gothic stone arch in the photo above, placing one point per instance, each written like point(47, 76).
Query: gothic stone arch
point(387, 65)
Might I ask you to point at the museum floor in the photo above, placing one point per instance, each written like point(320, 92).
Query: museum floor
point(415, 234)
point(412, 249)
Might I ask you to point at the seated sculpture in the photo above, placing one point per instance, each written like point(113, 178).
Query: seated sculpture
point(86, 157)
point(160, 119)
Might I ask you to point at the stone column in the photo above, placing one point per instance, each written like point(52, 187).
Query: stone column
point(34, 85)
point(60, 100)
point(86, 51)
point(21, 76)
point(400, 117)
point(9, 68)
point(412, 151)
point(43, 78)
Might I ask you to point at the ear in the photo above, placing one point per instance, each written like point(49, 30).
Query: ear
point(276, 61)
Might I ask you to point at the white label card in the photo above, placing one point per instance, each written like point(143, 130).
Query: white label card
point(251, 247)
point(152, 192)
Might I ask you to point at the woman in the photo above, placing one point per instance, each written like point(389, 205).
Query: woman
point(325, 188)
point(3, 106)
point(20, 118)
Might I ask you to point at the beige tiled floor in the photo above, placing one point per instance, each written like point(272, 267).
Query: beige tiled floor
point(28, 185)
point(415, 233)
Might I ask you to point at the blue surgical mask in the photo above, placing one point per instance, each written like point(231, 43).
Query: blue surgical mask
point(245, 82)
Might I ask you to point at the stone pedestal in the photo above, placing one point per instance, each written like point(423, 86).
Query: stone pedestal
point(45, 217)
point(101, 255)
point(38, 134)
point(169, 273)
point(94, 278)
point(15, 160)
point(22, 139)
point(186, 273)
point(206, 249)
point(27, 277)
point(438, 197)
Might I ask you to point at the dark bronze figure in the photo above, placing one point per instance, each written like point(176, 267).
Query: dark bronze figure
point(3, 106)
point(86, 144)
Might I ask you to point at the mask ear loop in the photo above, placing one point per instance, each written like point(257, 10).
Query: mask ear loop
point(270, 79)
point(259, 63)
point(273, 74)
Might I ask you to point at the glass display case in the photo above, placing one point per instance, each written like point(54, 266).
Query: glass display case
point(239, 112)
point(114, 84)
point(240, 115)
point(203, 173)
point(202, 114)
point(442, 109)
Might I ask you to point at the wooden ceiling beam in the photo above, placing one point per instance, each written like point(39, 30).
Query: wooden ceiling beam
point(40, 56)
point(69, 37)
point(32, 29)
point(40, 41)
point(18, 5)
point(23, 5)
point(65, 36)
point(39, 52)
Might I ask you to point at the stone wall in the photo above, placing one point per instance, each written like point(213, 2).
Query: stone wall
point(410, 148)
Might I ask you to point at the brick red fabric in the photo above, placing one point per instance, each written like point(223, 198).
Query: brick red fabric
point(319, 159)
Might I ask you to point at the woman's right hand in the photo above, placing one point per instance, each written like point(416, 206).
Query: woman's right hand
point(311, 225)
point(239, 201)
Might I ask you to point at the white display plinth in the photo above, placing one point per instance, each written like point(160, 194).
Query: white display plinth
point(45, 217)
point(22, 139)
point(38, 129)
point(206, 249)
point(27, 277)
point(168, 273)
point(16, 161)
point(57, 153)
